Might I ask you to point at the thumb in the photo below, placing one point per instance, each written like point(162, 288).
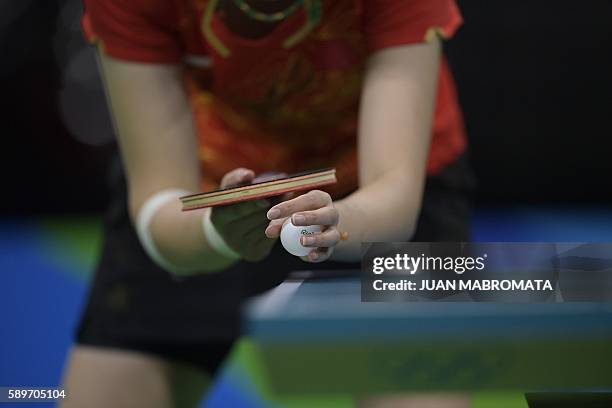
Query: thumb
point(237, 176)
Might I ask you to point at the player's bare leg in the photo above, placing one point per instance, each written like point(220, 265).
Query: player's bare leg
point(103, 377)
point(429, 400)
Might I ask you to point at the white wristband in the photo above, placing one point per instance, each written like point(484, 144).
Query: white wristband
point(143, 222)
point(215, 240)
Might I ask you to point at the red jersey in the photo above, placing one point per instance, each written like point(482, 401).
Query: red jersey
point(268, 105)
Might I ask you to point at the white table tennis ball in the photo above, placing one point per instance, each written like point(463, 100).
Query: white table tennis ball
point(290, 237)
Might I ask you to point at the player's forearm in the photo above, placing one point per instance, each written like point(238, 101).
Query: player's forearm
point(157, 142)
point(394, 133)
point(179, 237)
point(387, 209)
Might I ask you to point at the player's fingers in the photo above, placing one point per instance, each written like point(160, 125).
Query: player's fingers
point(240, 226)
point(318, 255)
point(237, 176)
point(285, 197)
point(328, 238)
point(228, 213)
point(270, 176)
point(323, 216)
point(274, 228)
point(289, 196)
point(257, 245)
point(255, 233)
point(310, 201)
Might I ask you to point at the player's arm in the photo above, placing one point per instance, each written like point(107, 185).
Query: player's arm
point(157, 140)
point(395, 130)
point(394, 133)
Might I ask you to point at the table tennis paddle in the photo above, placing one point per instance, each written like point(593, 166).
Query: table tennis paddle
point(269, 188)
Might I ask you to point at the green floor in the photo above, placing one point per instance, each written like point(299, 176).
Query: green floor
point(245, 361)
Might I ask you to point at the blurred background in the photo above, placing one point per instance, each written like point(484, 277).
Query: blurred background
point(535, 85)
point(534, 82)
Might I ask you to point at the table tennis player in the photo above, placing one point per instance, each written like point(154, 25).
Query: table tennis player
point(208, 93)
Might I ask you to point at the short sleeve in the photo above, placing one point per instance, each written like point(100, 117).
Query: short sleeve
point(389, 23)
point(134, 30)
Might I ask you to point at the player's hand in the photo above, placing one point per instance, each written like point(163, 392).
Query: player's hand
point(242, 225)
point(313, 208)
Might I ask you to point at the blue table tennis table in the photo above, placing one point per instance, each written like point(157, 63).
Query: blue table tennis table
point(314, 335)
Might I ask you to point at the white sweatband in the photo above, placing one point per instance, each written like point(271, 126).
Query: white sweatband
point(143, 222)
point(215, 240)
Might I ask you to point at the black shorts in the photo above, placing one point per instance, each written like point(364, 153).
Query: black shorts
point(135, 305)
